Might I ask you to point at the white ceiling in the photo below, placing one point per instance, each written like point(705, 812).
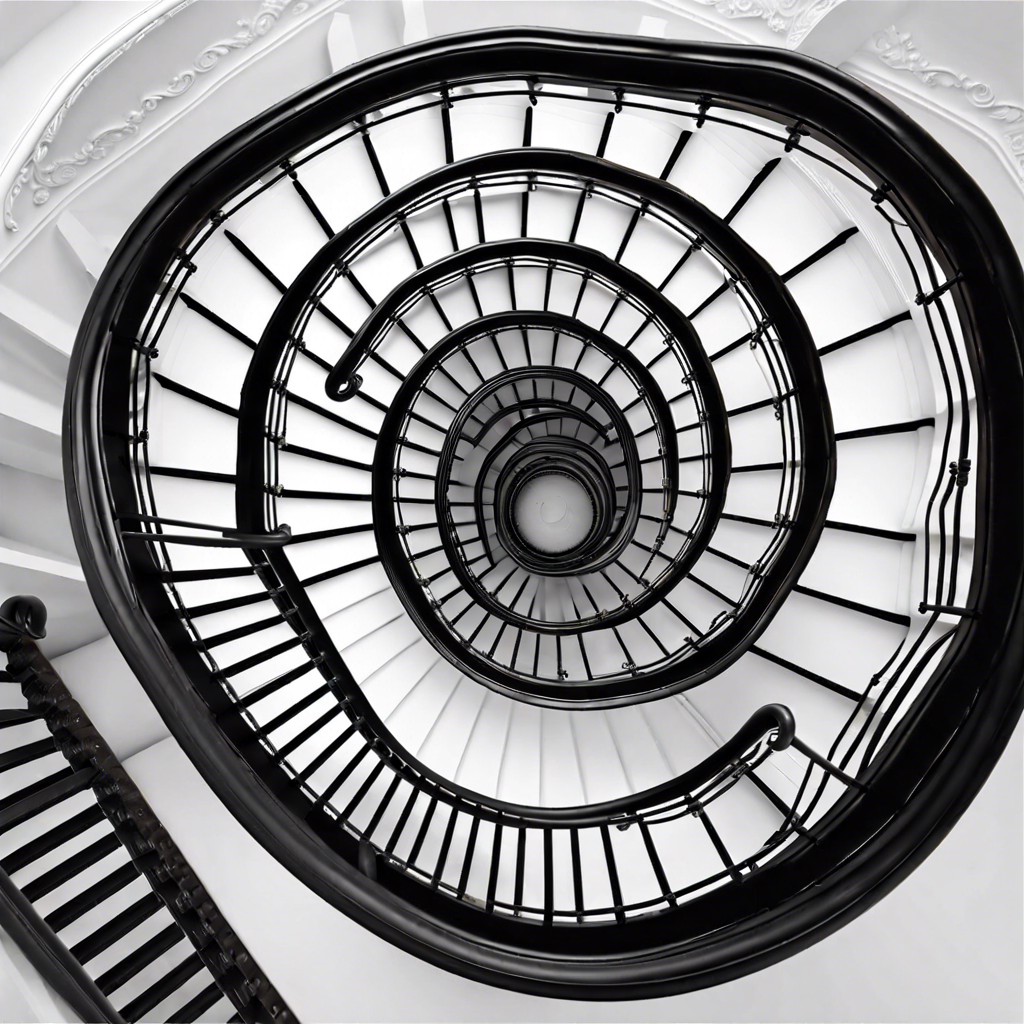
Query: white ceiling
point(21, 20)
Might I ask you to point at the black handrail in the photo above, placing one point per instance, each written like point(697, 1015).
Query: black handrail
point(817, 464)
point(940, 753)
point(229, 537)
point(153, 853)
point(773, 723)
point(50, 957)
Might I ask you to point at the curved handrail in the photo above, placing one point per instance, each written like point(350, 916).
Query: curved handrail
point(817, 435)
point(940, 755)
point(229, 536)
point(479, 170)
point(772, 722)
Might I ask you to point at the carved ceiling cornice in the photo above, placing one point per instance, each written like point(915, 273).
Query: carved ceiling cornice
point(41, 175)
point(898, 51)
point(792, 19)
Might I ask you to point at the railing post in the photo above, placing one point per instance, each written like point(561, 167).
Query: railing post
point(153, 852)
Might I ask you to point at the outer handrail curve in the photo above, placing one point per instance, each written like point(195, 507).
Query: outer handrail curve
point(942, 761)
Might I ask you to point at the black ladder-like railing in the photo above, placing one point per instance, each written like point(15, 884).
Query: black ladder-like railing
point(46, 819)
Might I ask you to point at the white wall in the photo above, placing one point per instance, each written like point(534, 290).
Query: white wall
point(946, 945)
point(24, 996)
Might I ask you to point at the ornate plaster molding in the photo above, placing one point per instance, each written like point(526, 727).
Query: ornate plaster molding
point(792, 18)
point(42, 177)
point(898, 51)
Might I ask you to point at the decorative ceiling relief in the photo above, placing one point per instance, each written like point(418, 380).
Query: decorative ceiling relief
point(29, 171)
point(41, 176)
point(792, 18)
point(898, 51)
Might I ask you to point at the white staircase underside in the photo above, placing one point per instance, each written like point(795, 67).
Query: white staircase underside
point(922, 954)
point(903, 960)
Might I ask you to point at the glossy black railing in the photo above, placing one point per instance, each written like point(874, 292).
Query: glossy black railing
point(339, 801)
point(50, 814)
point(805, 469)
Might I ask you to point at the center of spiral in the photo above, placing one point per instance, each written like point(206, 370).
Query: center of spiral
point(553, 510)
point(554, 513)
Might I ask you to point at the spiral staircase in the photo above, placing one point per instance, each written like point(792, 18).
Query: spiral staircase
point(562, 493)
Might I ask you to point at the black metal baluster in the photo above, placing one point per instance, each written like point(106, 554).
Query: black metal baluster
point(821, 253)
point(325, 797)
point(160, 990)
point(467, 859)
point(38, 796)
point(361, 792)
point(421, 835)
point(70, 867)
point(613, 874)
point(51, 840)
point(549, 877)
point(116, 928)
point(396, 832)
point(70, 911)
point(382, 806)
point(446, 842)
point(198, 1005)
point(517, 895)
point(492, 878)
point(577, 874)
point(208, 314)
point(126, 969)
point(18, 756)
point(825, 764)
point(716, 841)
point(656, 865)
point(677, 150)
point(304, 195)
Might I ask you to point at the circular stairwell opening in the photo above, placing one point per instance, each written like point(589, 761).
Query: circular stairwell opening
point(615, 646)
point(553, 513)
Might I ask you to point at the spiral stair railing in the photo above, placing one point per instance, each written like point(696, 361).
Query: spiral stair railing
point(377, 431)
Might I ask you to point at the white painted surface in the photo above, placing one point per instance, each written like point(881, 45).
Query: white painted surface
point(101, 681)
point(946, 945)
point(554, 513)
point(24, 996)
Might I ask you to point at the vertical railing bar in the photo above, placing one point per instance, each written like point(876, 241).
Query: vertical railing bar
point(492, 879)
point(517, 895)
point(577, 874)
point(613, 874)
point(659, 870)
point(362, 791)
point(424, 828)
point(372, 824)
point(549, 878)
point(446, 843)
point(396, 832)
point(467, 860)
point(716, 841)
